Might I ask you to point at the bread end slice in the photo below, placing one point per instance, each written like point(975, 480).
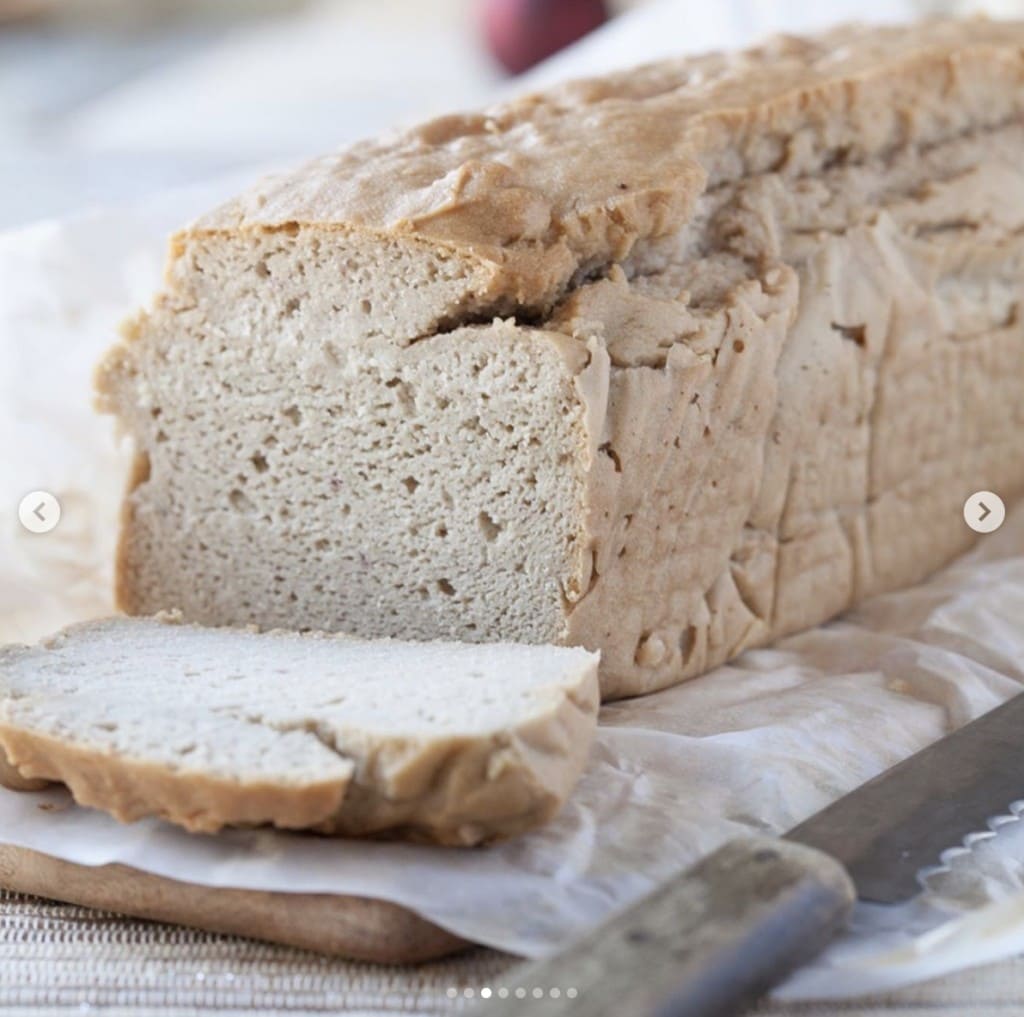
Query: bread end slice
point(210, 728)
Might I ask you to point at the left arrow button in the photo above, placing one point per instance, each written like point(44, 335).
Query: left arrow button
point(39, 512)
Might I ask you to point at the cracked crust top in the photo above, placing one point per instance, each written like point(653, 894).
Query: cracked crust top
point(516, 189)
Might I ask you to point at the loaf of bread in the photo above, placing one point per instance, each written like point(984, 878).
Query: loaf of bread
point(207, 728)
point(666, 364)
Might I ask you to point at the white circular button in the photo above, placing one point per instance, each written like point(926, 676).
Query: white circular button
point(39, 512)
point(984, 512)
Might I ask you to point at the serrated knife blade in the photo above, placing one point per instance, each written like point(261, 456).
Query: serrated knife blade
point(716, 936)
point(894, 826)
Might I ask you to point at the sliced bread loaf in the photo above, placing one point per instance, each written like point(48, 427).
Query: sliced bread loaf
point(667, 364)
point(208, 728)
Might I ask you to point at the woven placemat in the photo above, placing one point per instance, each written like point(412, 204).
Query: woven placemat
point(60, 959)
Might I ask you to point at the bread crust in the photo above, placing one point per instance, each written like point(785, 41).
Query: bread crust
point(12, 778)
point(130, 789)
point(515, 190)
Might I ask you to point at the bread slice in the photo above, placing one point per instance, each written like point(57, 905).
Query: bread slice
point(208, 728)
point(666, 364)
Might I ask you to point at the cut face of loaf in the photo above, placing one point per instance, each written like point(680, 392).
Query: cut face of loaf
point(667, 364)
point(207, 728)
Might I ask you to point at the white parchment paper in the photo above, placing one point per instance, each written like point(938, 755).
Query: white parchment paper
point(752, 747)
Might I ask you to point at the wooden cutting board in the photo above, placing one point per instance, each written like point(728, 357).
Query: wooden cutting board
point(356, 928)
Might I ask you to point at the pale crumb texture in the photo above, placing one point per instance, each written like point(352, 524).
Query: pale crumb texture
point(666, 364)
point(207, 728)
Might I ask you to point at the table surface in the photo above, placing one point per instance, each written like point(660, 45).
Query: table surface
point(60, 959)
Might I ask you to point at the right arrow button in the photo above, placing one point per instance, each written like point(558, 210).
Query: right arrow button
point(984, 512)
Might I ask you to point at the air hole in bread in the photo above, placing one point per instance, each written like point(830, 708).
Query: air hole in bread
point(488, 527)
point(240, 501)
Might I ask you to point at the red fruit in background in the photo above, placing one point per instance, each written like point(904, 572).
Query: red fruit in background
point(521, 33)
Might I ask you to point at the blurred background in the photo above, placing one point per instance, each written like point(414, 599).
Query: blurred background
point(108, 101)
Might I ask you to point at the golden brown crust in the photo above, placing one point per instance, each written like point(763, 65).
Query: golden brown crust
point(488, 792)
point(129, 789)
point(517, 190)
point(472, 791)
point(12, 779)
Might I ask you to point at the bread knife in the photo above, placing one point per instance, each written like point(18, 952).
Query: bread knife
point(714, 938)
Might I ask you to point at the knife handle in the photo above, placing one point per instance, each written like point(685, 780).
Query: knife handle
point(702, 945)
